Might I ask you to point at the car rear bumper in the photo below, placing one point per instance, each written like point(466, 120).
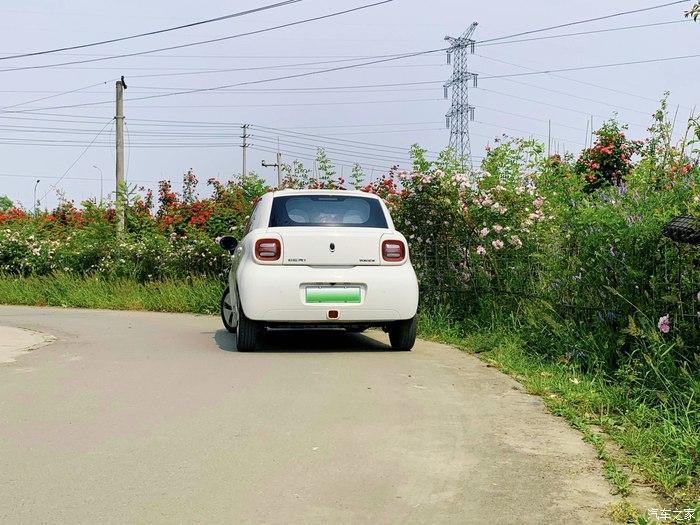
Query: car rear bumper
point(277, 293)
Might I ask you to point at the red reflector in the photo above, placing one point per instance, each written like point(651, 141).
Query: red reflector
point(333, 314)
point(268, 249)
point(393, 251)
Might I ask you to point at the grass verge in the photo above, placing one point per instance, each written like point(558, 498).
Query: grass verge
point(650, 445)
point(196, 295)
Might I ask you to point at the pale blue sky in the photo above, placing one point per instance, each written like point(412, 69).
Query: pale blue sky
point(386, 116)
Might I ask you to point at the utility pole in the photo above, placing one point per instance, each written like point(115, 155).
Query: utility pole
point(457, 119)
point(245, 145)
point(549, 138)
point(119, 118)
point(277, 165)
point(35, 202)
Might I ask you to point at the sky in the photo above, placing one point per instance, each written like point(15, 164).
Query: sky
point(166, 136)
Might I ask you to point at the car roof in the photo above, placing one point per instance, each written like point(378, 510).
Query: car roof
point(287, 192)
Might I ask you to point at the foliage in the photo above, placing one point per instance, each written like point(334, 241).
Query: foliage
point(5, 203)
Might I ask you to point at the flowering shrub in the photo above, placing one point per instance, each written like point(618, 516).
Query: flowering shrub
point(177, 240)
point(610, 159)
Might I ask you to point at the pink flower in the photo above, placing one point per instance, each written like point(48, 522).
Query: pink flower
point(664, 324)
point(515, 241)
point(481, 250)
point(484, 232)
point(498, 244)
point(497, 228)
point(539, 201)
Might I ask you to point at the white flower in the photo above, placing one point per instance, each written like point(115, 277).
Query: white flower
point(498, 244)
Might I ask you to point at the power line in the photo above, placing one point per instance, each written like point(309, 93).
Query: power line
point(335, 150)
point(275, 132)
point(585, 21)
point(292, 104)
point(80, 156)
point(351, 66)
point(577, 81)
point(201, 42)
point(336, 161)
point(197, 123)
point(598, 66)
point(246, 83)
point(156, 32)
point(581, 33)
point(529, 117)
point(564, 108)
point(264, 90)
point(567, 94)
point(55, 95)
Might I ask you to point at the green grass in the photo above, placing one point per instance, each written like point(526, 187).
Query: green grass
point(659, 445)
point(196, 295)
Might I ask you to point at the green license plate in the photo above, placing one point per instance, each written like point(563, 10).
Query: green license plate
point(333, 294)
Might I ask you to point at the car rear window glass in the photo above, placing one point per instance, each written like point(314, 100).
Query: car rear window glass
point(327, 210)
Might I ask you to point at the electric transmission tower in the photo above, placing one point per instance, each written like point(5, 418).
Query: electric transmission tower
point(457, 119)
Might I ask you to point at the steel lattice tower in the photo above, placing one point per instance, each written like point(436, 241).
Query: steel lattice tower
point(461, 112)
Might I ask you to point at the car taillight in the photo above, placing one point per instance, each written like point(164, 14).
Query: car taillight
point(268, 249)
point(393, 251)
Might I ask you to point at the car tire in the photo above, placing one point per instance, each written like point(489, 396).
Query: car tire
point(247, 332)
point(402, 334)
point(227, 312)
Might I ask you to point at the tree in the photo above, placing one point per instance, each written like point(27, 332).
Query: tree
point(694, 12)
point(296, 175)
point(5, 203)
point(325, 168)
point(357, 176)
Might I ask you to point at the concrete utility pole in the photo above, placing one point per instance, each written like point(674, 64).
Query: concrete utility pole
point(35, 202)
point(119, 118)
point(245, 145)
point(457, 119)
point(277, 165)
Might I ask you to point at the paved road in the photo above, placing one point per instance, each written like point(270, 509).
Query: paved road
point(148, 418)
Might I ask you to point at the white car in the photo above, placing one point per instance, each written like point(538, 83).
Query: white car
point(320, 259)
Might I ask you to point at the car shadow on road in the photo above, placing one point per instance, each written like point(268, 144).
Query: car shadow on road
point(306, 341)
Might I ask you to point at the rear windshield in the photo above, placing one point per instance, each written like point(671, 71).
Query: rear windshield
point(327, 210)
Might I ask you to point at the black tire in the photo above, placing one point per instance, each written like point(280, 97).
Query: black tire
point(247, 332)
point(402, 334)
point(227, 313)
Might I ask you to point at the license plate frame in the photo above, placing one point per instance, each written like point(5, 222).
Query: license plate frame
point(333, 294)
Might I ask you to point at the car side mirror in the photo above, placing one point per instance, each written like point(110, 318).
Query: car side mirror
point(228, 243)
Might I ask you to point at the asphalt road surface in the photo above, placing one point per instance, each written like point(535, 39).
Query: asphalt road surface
point(135, 417)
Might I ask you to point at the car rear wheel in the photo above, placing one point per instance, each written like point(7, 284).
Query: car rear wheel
point(247, 332)
point(228, 315)
point(402, 334)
